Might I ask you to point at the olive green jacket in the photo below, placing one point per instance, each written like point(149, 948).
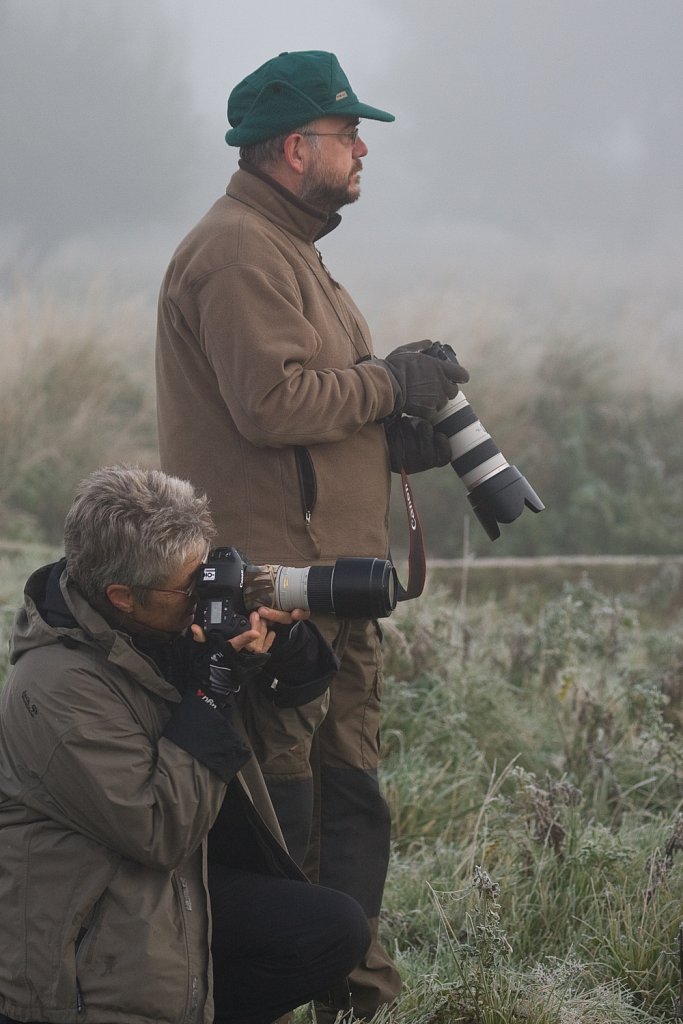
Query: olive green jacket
point(264, 399)
point(103, 818)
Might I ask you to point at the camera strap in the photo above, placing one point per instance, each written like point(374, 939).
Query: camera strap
point(417, 566)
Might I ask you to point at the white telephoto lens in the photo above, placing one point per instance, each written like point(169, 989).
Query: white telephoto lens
point(291, 588)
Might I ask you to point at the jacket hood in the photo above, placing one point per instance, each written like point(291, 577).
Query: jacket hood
point(55, 612)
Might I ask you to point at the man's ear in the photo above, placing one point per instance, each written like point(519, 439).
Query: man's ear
point(293, 152)
point(120, 596)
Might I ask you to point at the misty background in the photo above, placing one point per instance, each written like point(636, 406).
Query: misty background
point(525, 204)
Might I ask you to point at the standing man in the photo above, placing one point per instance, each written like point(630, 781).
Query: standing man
point(271, 401)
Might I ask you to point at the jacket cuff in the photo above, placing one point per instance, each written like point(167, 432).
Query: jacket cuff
point(205, 733)
point(399, 400)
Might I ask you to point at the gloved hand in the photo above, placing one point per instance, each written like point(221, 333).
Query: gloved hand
point(229, 669)
point(301, 665)
point(202, 722)
point(415, 446)
point(422, 383)
point(215, 670)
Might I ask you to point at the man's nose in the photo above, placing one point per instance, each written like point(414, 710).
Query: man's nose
point(359, 147)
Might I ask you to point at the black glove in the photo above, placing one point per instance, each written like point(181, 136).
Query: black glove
point(422, 384)
point(301, 665)
point(229, 669)
point(201, 723)
point(415, 446)
point(216, 671)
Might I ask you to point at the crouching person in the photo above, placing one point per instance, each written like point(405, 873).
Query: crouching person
point(143, 877)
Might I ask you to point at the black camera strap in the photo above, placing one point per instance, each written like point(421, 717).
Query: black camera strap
point(417, 566)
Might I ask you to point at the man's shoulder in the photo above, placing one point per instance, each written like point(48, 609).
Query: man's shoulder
point(217, 226)
point(230, 218)
point(233, 235)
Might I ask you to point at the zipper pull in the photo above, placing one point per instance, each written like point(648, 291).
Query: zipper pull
point(322, 264)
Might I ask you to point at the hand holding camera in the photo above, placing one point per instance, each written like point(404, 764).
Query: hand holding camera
point(415, 446)
point(218, 667)
point(284, 654)
point(296, 662)
point(422, 385)
point(497, 491)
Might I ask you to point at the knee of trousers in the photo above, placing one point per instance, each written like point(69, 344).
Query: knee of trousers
point(281, 738)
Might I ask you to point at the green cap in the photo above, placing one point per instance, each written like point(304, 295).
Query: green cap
point(291, 90)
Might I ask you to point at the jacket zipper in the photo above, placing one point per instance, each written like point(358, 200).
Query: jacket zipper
point(183, 895)
point(80, 1005)
point(83, 946)
point(307, 482)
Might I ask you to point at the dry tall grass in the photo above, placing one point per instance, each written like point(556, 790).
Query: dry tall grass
point(76, 393)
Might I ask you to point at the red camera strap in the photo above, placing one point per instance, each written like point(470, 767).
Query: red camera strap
point(417, 566)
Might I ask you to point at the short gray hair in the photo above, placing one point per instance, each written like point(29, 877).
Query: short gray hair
point(267, 153)
point(133, 526)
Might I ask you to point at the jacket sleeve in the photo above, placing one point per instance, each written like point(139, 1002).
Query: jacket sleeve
point(98, 769)
point(260, 345)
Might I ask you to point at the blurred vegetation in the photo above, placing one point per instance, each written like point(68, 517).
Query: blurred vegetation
point(605, 457)
point(76, 393)
point(604, 454)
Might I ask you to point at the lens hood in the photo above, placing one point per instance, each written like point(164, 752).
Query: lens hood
point(502, 499)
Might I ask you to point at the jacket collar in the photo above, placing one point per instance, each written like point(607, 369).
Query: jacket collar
point(90, 628)
point(254, 188)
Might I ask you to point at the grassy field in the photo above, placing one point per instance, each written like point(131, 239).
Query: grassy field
point(533, 764)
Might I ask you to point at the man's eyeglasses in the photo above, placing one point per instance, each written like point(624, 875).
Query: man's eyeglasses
point(353, 136)
point(186, 592)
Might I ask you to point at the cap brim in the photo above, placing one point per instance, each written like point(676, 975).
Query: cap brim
point(363, 110)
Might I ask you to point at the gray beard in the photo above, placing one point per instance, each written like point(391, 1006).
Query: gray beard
point(328, 198)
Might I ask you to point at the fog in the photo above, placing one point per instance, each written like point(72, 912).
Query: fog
point(530, 184)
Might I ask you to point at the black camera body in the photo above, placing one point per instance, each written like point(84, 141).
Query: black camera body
point(229, 587)
point(220, 588)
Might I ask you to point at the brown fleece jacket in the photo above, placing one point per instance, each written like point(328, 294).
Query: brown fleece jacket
point(264, 400)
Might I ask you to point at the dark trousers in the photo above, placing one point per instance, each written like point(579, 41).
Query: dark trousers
point(320, 764)
point(277, 943)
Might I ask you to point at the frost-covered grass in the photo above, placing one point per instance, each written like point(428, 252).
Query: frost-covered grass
point(533, 764)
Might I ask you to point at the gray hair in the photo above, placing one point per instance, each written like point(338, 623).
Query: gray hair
point(265, 155)
point(133, 526)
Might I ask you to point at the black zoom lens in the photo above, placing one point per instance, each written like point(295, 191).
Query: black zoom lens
point(352, 588)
